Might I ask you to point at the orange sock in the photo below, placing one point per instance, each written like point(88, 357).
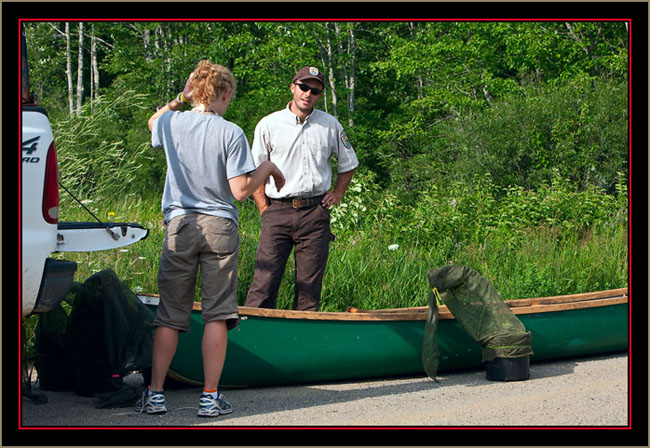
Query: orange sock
point(212, 392)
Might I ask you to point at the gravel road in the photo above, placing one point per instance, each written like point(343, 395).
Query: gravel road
point(578, 392)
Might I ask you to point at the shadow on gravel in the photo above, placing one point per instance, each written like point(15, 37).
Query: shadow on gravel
point(257, 401)
point(183, 402)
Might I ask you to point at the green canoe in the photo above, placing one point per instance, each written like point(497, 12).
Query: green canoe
point(275, 347)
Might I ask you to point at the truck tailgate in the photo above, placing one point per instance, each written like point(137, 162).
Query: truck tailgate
point(89, 236)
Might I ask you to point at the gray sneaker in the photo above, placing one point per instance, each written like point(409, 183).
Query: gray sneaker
point(210, 407)
point(151, 403)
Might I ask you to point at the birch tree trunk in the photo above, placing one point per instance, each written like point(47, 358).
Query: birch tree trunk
point(163, 38)
point(94, 72)
point(147, 45)
point(168, 42)
point(330, 70)
point(92, 55)
point(323, 64)
point(342, 60)
point(80, 65)
point(419, 77)
point(348, 56)
point(68, 67)
point(322, 49)
point(352, 53)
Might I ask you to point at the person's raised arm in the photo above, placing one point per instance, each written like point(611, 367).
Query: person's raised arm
point(175, 104)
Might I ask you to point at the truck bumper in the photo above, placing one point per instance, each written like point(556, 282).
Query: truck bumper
point(56, 282)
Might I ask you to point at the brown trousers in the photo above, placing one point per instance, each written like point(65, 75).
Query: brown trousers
point(283, 228)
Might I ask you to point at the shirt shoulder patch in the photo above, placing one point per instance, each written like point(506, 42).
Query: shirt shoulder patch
point(345, 140)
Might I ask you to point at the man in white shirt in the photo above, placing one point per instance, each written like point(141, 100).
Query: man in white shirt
point(301, 141)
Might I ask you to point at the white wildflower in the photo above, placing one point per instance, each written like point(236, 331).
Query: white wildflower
point(393, 247)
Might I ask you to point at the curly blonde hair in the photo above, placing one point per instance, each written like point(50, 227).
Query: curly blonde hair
point(209, 81)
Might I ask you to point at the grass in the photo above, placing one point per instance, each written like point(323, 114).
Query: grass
point(545, 265)
point(366, 270)
point(137, 264)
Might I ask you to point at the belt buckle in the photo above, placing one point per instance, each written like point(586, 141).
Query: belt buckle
point(296, 203)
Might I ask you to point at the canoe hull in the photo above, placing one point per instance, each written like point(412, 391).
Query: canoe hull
point(265, 351)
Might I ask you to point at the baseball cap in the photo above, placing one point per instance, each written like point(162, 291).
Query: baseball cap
point(310, 73)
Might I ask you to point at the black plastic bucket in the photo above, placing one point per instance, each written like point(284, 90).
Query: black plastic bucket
point(508, 369)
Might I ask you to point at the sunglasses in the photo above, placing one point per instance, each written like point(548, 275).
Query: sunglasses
point(314, 90)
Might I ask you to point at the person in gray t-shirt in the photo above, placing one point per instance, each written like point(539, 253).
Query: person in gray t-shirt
point(209, 164)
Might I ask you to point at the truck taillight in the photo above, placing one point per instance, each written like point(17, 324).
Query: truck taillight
point(51, 188)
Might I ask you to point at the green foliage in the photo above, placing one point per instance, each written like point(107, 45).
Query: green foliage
point(499, 145)
point(353, 210)
point(543, 264)
point(577, 128)
point(433, 100)
point(45, 50)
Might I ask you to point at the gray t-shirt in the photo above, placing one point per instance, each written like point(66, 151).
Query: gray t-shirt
point(203, 152)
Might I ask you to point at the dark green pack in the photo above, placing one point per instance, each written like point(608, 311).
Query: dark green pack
point(478, 308)
point(109, 334)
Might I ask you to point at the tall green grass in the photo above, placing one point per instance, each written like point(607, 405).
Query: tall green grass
point(136, 264)
point(527, 244)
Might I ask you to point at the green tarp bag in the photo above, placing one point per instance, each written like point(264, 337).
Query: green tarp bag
point(478, 308)
point(430, 351)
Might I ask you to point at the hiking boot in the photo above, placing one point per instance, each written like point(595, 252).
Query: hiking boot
point(213, 407)
point(151, 403)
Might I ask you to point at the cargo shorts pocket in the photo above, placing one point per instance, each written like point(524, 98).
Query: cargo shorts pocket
point(221, 236)
point(173, 234)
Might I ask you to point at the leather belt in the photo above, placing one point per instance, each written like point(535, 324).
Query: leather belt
point(298, 203)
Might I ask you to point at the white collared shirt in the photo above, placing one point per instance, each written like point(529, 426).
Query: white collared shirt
point(302, 151)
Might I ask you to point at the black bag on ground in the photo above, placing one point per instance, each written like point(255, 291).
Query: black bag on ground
point(109, 335)
point(51, 359)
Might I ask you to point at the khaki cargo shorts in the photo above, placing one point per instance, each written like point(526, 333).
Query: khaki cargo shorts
point(196, 242)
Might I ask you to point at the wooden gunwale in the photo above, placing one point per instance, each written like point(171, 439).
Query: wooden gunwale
point(520, 306)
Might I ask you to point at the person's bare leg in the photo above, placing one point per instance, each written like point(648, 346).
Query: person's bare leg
point(164, 348)
point(213, 348)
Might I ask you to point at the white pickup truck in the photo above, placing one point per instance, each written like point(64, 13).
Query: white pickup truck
point(45, 281)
